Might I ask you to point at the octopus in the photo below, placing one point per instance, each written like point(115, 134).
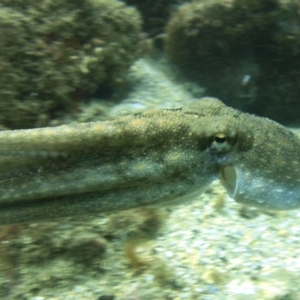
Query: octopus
point(149, 158)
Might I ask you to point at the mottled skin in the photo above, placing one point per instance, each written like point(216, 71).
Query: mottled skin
point(154, 157)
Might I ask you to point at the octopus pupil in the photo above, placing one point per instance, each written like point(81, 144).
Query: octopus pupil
point(220, 139)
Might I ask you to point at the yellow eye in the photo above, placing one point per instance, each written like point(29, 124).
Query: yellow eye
point(221, 143)
point(220, 138)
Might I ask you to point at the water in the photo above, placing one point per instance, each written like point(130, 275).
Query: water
point(66, 61)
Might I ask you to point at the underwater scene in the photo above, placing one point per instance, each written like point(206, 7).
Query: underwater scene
point(149, 149)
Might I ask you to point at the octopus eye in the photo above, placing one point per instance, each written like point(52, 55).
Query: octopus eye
point(221, 143)
point(220, 138)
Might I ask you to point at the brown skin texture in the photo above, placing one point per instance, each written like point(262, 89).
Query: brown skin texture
point(154, 157)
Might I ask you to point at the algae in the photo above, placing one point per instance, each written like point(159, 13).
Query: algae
point(246, 52)
point(55, 54)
